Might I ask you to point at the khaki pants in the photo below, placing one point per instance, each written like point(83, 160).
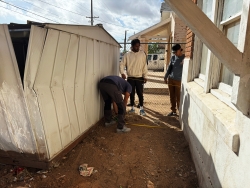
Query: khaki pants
point(174, 87)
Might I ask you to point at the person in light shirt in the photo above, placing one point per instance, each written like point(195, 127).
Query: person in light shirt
point(135, 62)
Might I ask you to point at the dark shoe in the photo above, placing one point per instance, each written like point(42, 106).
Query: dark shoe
point(172, 114)
point(138, 106)
point(129, 104)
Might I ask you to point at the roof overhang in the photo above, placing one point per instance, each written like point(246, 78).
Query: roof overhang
point(152, 32)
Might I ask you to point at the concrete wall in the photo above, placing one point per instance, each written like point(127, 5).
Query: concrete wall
point(215, 132)
point(214, 125)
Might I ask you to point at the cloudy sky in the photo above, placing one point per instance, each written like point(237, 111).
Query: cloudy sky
point(115, 15)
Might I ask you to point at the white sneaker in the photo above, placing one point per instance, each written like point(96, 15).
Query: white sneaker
point(142, 113)
point(131, 111)
point(107, 124)
point(124, 130)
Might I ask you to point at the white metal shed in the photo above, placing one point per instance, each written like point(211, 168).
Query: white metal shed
point(49, 98)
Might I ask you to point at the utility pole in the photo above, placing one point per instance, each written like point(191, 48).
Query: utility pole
point(92, 17)
point(125, 40)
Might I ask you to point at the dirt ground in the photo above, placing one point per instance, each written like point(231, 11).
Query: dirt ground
point(155, 150)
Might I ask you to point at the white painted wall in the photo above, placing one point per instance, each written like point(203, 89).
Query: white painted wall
point(212, 129)
point(217, 131)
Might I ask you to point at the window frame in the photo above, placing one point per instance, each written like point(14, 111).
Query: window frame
point(226, 88)
point(155, 55)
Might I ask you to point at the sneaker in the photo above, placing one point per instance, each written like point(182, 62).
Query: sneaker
point(112, 122)
point(172, 114)
point(131, 111)
point(124, 130)
point(142, 113)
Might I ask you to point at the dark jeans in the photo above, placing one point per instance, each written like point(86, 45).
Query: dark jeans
point(174, 87)
point(109, 94)
point(136, 83)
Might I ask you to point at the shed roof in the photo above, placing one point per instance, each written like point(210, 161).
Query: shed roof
point(96, 32)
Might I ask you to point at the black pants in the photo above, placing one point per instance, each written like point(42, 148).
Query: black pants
point(136, 83)
point(109, 94)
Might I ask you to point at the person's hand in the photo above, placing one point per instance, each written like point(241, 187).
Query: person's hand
point(124, 76)
point(145, 80)
point(125, 100)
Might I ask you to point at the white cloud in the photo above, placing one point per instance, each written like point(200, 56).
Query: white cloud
point(116, 16)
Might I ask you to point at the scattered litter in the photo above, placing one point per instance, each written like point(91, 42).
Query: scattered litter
point(17, 170)
point(56, 165)
point(61, 176)
point(42, 172)
point(31, 179)
point(150, 184)
point(85, 170)
point(17, 174)
point(43, 176)
point(95, 171)
point(64, 157)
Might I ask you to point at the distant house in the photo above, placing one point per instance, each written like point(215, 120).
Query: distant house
point(170, 29)
point(215, 97)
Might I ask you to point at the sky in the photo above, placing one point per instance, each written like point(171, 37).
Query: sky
point(115, 15)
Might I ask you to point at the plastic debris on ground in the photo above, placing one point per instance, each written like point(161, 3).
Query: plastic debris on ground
point(85, 170)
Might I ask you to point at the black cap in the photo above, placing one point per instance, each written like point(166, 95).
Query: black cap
point(176, 47)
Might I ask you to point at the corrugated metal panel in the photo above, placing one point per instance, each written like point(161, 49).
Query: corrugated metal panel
point(15, 129)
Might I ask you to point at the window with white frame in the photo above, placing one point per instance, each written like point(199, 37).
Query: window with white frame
point(207, 9)
point(231, 24)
